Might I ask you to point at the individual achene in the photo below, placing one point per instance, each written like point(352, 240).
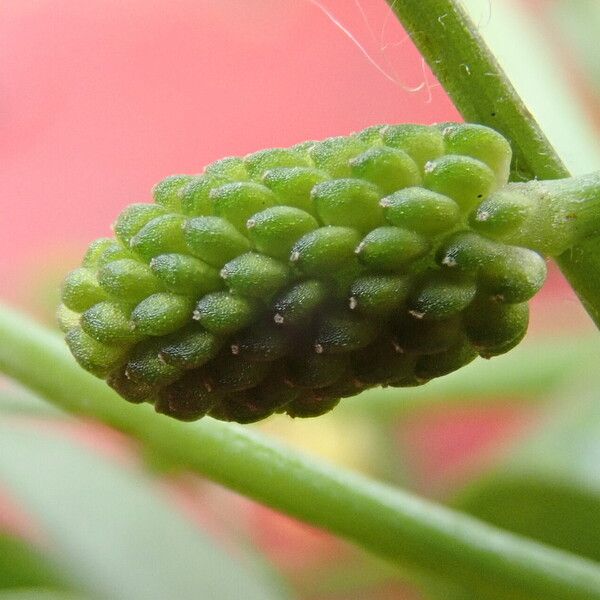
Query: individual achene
point(287, 279)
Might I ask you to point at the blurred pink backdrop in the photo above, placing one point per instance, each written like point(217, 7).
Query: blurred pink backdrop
point(101, 99)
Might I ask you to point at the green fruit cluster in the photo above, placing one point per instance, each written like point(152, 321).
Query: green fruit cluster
point(290, 278)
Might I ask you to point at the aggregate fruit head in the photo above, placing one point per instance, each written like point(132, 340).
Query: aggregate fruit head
point(287, 279)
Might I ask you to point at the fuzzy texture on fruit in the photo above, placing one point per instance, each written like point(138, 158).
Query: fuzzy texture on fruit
point(287, 279)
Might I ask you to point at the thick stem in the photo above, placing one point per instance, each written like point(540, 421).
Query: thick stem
point(547, 216)
point(398, 526)
point(458, 56)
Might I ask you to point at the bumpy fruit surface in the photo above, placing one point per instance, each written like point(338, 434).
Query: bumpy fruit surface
point(287, 279)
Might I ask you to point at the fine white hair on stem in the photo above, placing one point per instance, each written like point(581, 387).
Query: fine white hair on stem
point(481, 12)
point(426, 83)
point(486, 22)
point(380, 42)
point(386, 21)
point(363, 14)
point(363, 50)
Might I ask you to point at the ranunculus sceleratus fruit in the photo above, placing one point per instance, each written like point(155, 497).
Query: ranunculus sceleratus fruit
point(287, 279)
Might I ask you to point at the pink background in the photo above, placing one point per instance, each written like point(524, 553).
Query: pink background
point(101, 99)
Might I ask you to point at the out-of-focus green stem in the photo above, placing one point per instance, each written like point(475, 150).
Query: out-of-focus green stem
point(402, 528)
point(463, 64)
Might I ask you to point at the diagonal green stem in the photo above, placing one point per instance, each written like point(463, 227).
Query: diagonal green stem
point(459, 58)
point(410, 532)
point(468, 71)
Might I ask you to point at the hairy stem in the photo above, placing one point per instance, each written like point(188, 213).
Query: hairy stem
point(459, 58)
point(398, 526)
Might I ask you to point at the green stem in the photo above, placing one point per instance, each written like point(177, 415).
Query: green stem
point(409, 531)
point(468, 71)
point(459, 58)
point(547, 216)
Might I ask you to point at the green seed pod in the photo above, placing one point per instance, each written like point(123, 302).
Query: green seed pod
point(194, 196)
point(162, 235)
point(67, 319)
point(186, 275)
point(342, 279)
point(190, 348)
point(379, 295)
point(230, 168)
point(274, 231)
point(273, 392)
point(324, 250)
point(81, 290)
point(240, 407)
point(371, 135)
point(223, 314)
point(231, 373)
point(344, 331)
point(128, 280)
point(408, 382)
point(304, 148)
point(133, 391)
point(348, 203)
point(311, 370)
point(464, 251)
point(494, 327)
point(391, 248)
point(311, 406)
point(442, 295)
point(297, 305)
point(262, 342)
point(95, 357)
point(420, 336)
point(116, 251)
point(147, 368)
point(420, 210)
point(162, 313)
point(443, 363)
point(186, 399)
point(482, 143)
point(214, 240)
point(237, 202)
point(464, 179)
point(334, 154)
point(382, 362)
point(502, 213)
point(109, 323)
point(255, 275)
point(389, 169)
point(282, 281)
point(95, 251)
point(293, 186)
point(513, 274)
point(166, 192)
point(420, 142)
point(343, 388)
point(133, 218)
point(259, 162)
